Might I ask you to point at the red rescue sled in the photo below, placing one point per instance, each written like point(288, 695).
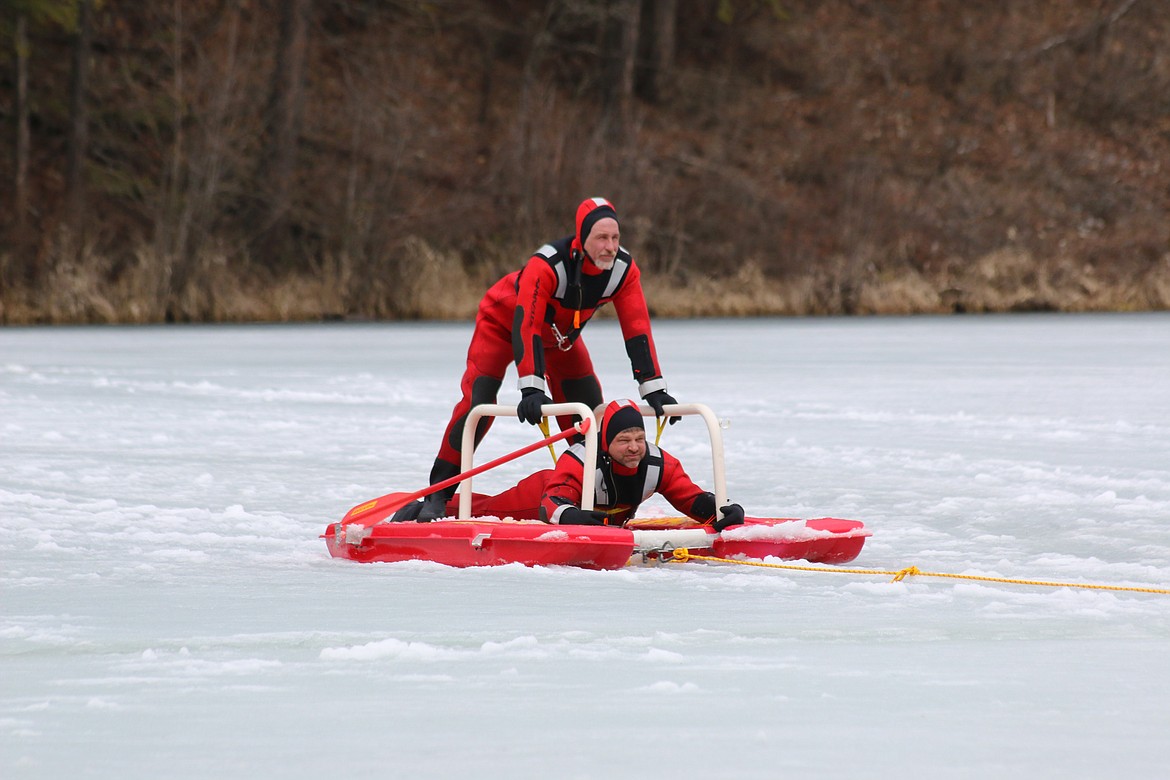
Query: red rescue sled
point(365, 535)
point(494, 542)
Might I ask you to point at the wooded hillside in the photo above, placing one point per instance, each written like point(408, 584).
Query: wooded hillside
point(234, 160)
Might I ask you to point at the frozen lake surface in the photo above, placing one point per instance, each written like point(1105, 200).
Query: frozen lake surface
point(168, 610)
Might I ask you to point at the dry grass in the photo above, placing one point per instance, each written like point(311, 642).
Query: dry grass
point(421, 282)
point(748, 293)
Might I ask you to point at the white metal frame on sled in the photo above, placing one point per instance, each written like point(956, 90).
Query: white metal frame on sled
point(588, 479)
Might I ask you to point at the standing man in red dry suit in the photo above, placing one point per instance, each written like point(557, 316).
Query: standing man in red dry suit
point(534, 317)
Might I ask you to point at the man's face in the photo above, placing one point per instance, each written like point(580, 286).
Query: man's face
point(629, 447)
point(603, 242)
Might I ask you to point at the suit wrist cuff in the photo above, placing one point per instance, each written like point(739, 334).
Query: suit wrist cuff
point(531, 381)
point(651, 385)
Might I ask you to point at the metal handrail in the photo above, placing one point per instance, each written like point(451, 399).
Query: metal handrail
point(581, 411)
point(589, 477)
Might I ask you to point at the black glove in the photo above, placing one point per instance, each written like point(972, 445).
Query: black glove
point(732, 515)
point(574, 516)
point(528, 410)
point(657, 400)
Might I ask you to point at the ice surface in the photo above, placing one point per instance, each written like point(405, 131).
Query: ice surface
point(168, 610)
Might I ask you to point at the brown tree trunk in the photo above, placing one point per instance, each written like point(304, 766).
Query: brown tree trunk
point(622, 44)
point(78, 119)
point(20, 41)
point(283, 118)
point(658, 44)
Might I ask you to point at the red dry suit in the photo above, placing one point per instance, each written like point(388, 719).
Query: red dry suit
point(533, 318)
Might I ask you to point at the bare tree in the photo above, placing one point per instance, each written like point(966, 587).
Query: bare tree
point(78, 118)
point(620, 58)
point(659, 32)
point(211, 53)
point(283, 118)
point(20, 43)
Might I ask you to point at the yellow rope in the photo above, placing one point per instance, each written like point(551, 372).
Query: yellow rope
point(682, 555)
point(661, 425)
point(544, 428)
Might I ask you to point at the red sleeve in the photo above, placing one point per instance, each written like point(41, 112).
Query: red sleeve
point(563, 488)
point(537, 283)
point(634, 317)
point(677, 488)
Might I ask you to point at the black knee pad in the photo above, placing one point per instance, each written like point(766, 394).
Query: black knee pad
point(484, 390)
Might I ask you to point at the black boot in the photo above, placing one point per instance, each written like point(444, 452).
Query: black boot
point(408, 513)
point(434, 506)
